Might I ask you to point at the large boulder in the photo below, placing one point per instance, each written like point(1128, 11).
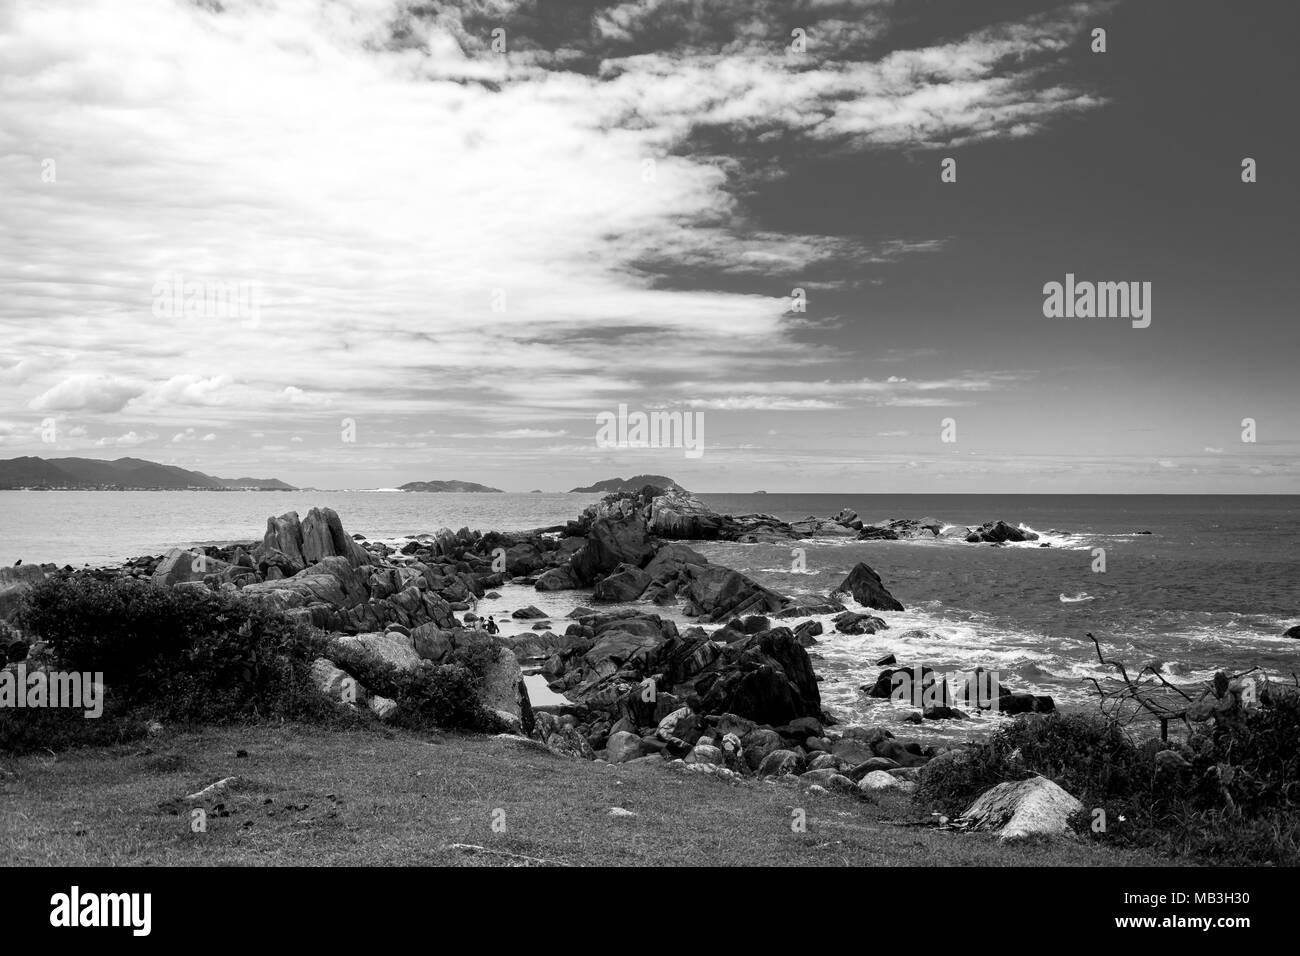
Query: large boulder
point(627, 583)
point(387, 648)
point(867, 589)
point(323, 537)
point(1022, 808)
point(501, 690)
point(179, 566)
point(291, 545)
point(623, 745)
point(431, 642)
point(678, 514)
point(335, 683)
point(717, 593)
point(333, 581)
point(282, 545)
point(609, 544)
point(557, 579)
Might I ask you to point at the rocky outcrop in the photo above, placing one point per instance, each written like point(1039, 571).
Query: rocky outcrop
point(292, 545)
point(626, 583)
point(868, 590)
point(677, 514)
point(611, 659)
point(392, 648)
point(998, 532)
point(610, 543)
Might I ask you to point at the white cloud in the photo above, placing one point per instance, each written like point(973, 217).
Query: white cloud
point(129, 439)
point(86, 392)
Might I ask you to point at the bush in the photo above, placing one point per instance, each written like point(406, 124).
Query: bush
point(177, 655)
point(442, 695)
point(1085, 755)
point(1234, 801)
point(58, 728)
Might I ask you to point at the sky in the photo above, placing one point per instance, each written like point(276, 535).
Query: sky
point(355, 243)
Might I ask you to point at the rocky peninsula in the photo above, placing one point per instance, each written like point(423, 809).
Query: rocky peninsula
point(755, 707)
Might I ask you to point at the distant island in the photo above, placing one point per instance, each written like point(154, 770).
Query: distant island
point(124, 474)
point(635, 483)
point(445, 486)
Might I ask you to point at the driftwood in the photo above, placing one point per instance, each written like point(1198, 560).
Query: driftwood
point(1162, 700)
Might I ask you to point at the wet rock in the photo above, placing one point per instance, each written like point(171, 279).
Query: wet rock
point(851, 622)
point(867, 589)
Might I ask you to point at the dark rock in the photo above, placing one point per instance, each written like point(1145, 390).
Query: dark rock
point(867, 589)
point(781, 762)
point(627, 583)
point(942, 713)
point(609, 544)
point(758, 744)
point(999, 532)
point(851, 622)
point(557, 579)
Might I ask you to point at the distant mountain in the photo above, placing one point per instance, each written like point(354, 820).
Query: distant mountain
point(255, 484)
point(122, 474)
point(447, 486)
point(635, 483)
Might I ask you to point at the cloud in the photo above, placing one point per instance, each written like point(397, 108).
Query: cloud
point(192, 390)
point(87, 392)
point(442, 234)
point(130, 438)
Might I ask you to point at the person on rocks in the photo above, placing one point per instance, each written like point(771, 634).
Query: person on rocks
point(492, 627)
point(682, 728)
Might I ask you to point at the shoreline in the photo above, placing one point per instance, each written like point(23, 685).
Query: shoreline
point(232, 566)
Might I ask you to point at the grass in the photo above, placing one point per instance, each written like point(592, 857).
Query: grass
point(315, 796)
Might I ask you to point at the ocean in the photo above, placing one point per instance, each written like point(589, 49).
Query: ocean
point(1213, 585)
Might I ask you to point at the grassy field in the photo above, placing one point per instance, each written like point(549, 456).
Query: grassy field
point(365, 797)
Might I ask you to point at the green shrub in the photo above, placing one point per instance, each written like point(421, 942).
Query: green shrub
point(173, 655)
point(441, 695)
point(1085, 755)
point(1234, 802)
point(58, 728)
